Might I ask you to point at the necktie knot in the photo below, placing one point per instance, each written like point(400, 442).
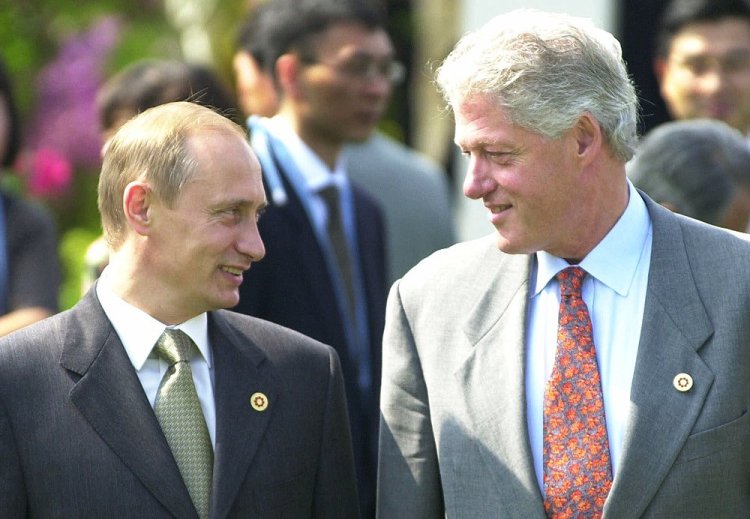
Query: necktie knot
point(571, 281)
point(330, 196)
point(174, 346)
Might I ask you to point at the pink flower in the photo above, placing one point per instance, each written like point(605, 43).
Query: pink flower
point(49, 174)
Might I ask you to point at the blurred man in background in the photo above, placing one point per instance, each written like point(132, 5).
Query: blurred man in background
point(697, 167)
point(412, 190)
point(29, 263)
point(702, 60)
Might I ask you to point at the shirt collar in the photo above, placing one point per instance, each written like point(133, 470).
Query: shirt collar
point(315, 173)
point(614, 260)
point(138, 331)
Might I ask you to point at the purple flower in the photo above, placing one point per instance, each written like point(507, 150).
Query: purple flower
point(66, 120)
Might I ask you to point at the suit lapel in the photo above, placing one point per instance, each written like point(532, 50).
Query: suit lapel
point(675, 326)
point(492, 378)
point(239, 374)
point(110, 397)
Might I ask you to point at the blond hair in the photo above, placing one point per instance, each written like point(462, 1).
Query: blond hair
point(152, 147)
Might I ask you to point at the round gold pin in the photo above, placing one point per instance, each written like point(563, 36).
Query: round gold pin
point(683, 382)
point(259, 401)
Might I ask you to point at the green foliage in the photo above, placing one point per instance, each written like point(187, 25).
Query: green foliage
point(72, 243)
point(31, 34)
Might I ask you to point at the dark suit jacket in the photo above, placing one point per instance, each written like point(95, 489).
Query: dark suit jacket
point(291, 286)
point(78, 437)
point(31, 251)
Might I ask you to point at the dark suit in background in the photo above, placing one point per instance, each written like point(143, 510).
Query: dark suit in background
point(293, 287)
point(33, 273)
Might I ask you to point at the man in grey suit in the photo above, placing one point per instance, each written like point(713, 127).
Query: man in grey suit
point(476, 367)
point(94, 419)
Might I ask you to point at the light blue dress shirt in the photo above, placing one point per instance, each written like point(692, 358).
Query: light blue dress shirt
point(615, 292)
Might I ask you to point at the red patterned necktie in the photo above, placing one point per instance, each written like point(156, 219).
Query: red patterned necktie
point(577, 470)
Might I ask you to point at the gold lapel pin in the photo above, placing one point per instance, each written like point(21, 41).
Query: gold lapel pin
point(259, 401)
point(683, 382)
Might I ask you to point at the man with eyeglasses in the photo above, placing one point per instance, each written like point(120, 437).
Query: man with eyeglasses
point(702, 60)
point(412, 190)
point(332, 66)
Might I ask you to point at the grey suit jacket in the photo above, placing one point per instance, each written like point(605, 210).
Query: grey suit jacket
point(454, 437)
point(78, 437)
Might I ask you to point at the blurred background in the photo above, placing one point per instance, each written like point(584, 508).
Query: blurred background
point(59, 52)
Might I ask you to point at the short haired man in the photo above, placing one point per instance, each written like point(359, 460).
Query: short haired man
point(411, 190)
point(323, 276)
point(623, 396)
point(702, 60)
point(146, 399)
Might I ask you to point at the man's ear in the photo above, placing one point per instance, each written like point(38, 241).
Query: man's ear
point(136, 201)
point(288, 68)
point(589, 138)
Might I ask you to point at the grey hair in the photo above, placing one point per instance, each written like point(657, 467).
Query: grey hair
point(546, 70)
point(695, 165)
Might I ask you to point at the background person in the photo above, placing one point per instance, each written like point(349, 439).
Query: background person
point(325, 273)
point(586, 360)
point(29, 263)
point(702, 61)
point(699, 168)
point(180, 195)
point(411, 190)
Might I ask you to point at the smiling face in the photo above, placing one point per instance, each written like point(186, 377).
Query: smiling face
point(528, 183)
point(202, 243)
point(707, 72)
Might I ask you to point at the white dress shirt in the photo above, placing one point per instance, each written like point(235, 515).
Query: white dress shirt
point(139, 332)
point(615, 292)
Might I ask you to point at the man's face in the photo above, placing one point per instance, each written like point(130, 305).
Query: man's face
point(202, 244)
point(707, 72)
point(337, 102)
point(527, 182)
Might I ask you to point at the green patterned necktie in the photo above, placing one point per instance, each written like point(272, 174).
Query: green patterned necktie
point(181, 418)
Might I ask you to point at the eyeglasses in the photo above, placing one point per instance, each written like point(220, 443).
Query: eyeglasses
point(364, 68)
point(731, 63)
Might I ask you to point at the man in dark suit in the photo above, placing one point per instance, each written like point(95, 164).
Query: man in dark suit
point(88, 423)
point(588, 359)
point(333, 63)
